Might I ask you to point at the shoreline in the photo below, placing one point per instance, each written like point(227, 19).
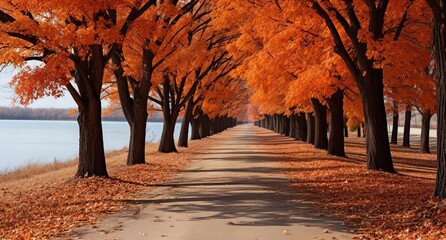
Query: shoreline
point(37, 168)
point(26, 143)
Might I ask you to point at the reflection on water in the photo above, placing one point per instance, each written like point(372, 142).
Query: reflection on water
point(23, 141)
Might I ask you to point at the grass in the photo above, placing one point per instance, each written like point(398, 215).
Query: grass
point(35, 168)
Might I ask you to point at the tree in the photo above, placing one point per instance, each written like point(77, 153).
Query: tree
point(219, 63)
point(368, 78)
point(205, 50)
point(439, 35)
point(140, 54)
point(73, 42)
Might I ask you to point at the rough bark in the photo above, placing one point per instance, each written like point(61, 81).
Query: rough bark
point(88, 77)
point(439, 36)
point(406, 135)
point(310, 128)
point(91, 143)
point(337, 122)
point(377, 138)
point(320, 132)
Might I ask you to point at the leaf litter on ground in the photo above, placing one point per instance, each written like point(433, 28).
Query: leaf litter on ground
point(381, 205)
point(51, 204)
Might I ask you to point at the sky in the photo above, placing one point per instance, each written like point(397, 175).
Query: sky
point(7, 94)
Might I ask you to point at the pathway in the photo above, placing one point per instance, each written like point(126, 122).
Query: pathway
point(233, 191)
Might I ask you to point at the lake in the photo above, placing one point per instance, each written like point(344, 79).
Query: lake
point(32, 141)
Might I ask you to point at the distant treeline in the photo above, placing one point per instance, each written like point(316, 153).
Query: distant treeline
point(21, 113)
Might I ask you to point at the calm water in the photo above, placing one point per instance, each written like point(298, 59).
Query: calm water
point(23, 142)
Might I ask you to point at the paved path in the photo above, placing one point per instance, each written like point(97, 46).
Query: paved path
point(232, 191)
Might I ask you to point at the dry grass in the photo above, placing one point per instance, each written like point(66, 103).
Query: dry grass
point(32, 169)
point(46, 201)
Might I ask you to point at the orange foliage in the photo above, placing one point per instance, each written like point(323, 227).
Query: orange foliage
point(291, 59)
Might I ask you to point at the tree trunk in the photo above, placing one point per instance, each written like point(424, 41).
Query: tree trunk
point(222, 121)
point(280, 122)
point(377, 138)
point(184, 133)
point(205, 126)
point(216, 125)
point(270, 123)
point(195, 127)
point(359, 131)
point(170, 114)
point(88, 78)
point(336, 142)
point(135, 107)
point(396, 114)
point(439, 37)
point(345, 127)
point(310, 128)
point(137, 143)
point(320, 133)
point(196, 119)
point(213, 123)
point(301, 127)
point(167, 142)
point(286, 125)
point(368, 79)
point(407, 118)
point(91, 142)
point(275, 123)
point(293, 120)
point(425, 128)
